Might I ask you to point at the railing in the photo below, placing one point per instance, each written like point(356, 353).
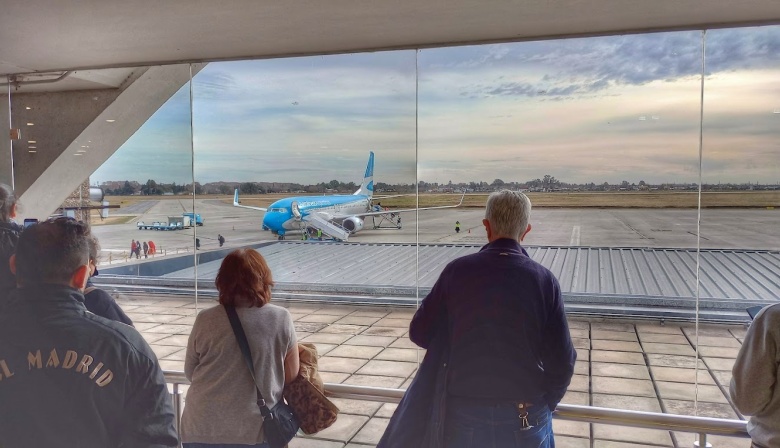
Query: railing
point(703, 426)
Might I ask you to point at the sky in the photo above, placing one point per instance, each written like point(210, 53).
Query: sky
point(601, 109)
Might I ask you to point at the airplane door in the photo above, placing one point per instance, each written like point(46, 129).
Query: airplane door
point(295, 211)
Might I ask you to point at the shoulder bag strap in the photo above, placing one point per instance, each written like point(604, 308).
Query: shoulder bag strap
point(243, 344)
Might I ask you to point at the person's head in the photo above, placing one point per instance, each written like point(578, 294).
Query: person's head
point(7, 203)
point(244, 279)
point(55, 251)
point(506, 215)
point(94, 252)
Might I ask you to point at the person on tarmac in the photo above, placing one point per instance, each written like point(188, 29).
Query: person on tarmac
point(457, 226)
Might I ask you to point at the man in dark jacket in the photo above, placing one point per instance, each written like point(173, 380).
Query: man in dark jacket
point(511, 356)
point(95, 299)
point(9, 235)
point(69, 377)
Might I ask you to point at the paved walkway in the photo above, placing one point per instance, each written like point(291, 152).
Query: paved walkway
point(639, 366)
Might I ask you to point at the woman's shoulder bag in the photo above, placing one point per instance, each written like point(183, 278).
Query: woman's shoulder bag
point(279, 423)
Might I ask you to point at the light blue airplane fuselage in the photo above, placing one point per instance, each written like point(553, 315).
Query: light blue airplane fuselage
point(279, 218)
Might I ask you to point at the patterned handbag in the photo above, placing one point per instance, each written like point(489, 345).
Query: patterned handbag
point(304, 394)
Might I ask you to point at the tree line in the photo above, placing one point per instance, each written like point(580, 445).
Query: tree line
point(546, 183)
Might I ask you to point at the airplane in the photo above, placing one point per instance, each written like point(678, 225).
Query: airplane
point(337, 215)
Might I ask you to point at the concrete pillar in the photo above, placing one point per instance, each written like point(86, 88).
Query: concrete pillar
point(74, 132)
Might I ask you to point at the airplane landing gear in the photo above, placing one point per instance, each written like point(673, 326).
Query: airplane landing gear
point(281, 237)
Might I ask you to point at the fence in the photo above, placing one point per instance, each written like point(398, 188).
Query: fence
point(703, 426)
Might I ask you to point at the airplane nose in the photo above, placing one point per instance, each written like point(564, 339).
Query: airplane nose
point(274, 221)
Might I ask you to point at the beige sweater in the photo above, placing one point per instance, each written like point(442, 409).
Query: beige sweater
point(221, 402)
point(755, 385)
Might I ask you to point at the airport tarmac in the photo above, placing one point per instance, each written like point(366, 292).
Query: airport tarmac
point(655, 228)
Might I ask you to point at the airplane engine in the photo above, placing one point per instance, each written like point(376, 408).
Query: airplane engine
point(353, 224)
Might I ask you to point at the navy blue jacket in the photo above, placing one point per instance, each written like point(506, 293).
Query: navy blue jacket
point(9, 236)
point(101, 303)
point(509, 340)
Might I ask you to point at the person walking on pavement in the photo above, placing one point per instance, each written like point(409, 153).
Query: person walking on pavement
point(319, 234)
point(152, 247)
point(221, 239)
point(457, 226)
point(197, 243)
point(132, 248)
point(146, 250)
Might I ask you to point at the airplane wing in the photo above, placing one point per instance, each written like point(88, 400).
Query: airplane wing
point(236, 204)
point(406, 210)
point(391, 196)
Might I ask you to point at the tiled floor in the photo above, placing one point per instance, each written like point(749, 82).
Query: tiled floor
point(638, 366)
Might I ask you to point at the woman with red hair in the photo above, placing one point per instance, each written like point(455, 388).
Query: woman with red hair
point(221, 408)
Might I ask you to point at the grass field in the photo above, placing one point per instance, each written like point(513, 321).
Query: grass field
point(96, 221)
point(748, 199)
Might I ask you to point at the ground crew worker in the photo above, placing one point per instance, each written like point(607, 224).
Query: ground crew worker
point(221, 239)
point(319, 234)
point(457, 226)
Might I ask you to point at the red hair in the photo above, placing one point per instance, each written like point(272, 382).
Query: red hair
point(244, 279)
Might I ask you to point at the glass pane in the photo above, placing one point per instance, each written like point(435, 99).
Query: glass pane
point(6, 140)
point(135, 146)
point(740, 228)
point(296, 136)
point(602, 136)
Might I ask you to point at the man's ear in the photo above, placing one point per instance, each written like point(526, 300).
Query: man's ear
point(12, 264)
point(486, 223)
point(79, 278)
point(527, 229)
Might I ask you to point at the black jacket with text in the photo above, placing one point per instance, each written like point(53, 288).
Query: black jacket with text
point(73, 379)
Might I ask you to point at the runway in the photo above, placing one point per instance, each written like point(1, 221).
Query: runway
point(652, 228)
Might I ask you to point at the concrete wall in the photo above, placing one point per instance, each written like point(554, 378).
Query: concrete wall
point(77, 122)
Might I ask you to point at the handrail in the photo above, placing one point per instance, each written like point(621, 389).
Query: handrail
point(590, 414)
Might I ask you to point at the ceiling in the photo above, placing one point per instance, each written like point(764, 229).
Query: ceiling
point(45, 35)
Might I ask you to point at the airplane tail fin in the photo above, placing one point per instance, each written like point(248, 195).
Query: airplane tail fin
point(367, 186)
point(235, 197)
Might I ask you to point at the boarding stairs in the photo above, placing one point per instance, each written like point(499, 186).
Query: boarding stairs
point(327, 227)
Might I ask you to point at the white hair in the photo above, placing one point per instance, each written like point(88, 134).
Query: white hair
point(508, 213)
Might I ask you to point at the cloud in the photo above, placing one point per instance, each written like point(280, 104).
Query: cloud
point(569, 107)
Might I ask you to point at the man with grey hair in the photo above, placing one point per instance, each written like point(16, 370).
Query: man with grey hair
point(510, 353)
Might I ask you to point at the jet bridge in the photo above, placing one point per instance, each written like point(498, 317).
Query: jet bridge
point(328, 228)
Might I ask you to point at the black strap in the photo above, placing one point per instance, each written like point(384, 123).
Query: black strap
point(243, 344)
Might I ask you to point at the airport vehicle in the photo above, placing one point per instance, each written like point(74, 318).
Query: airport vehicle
point(174, 223)
point(337, 215)
point(194, 217)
